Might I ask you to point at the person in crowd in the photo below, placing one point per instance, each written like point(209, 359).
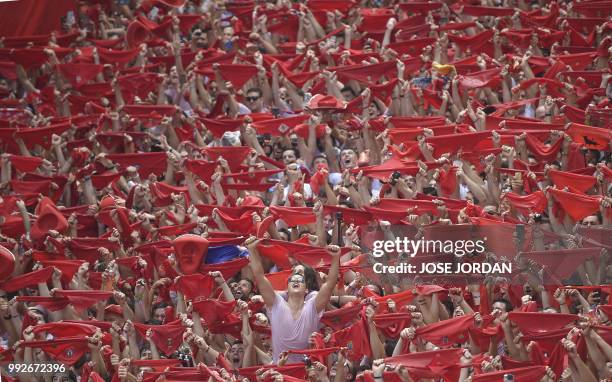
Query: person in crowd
point(195, 190)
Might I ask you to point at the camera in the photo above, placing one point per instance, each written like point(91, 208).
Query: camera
point(537, 218)
point(429, 190)
point(185, 358)
point(307, 361)
point(394, 177)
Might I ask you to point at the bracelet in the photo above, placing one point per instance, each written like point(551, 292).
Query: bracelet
point(379, 377)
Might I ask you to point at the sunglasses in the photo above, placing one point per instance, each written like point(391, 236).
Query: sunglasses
point(296, 280)
point(252, 99)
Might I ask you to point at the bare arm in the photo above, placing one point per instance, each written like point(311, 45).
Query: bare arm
point(378, 347)
point(324, 295)
point(263, 284)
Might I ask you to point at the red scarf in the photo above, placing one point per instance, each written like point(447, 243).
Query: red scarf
point(212, 310)
point(542, 152)
point(146, 163)
point(446, 333)
point(562, 179)
point(83, 299)
point(575, 205)
point(196, 285)
point(66, 350)
point(590, 137)
point(430, 364)
point(562, 263)
point(166, 337)
point(355, 338)
point(392, 324)
point(294, 216)
point(525, 204)
point(535, 323)
point(27, 280)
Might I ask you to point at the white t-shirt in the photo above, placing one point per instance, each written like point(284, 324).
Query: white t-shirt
point(289, 333)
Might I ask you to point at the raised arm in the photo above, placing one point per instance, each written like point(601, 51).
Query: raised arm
point(322, 298)
point(263, 284)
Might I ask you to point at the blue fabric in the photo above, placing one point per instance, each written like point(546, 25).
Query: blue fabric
point(224, 253)
point(421, 82)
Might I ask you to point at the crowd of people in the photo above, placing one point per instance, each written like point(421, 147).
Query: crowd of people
point(190, 190)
